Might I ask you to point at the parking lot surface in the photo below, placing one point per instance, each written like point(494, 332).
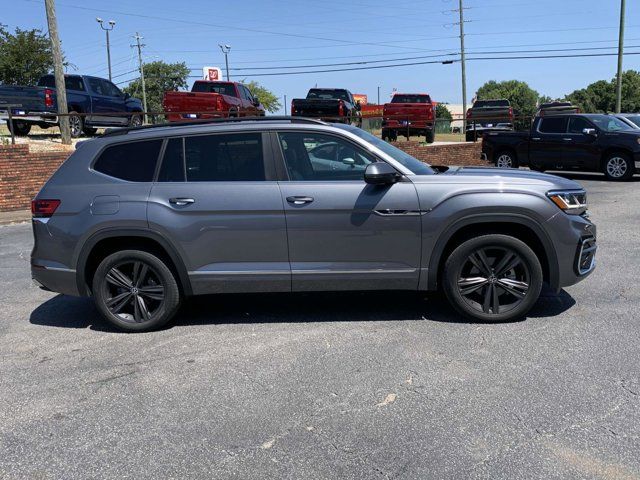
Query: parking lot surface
point(329, 386)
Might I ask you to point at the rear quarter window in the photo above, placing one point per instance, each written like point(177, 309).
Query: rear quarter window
point(132, 161)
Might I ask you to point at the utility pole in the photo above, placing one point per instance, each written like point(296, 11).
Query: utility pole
point(464, 71)
point(285, 105)
point(620, 55)
point(141, 65)
point(107, 30)
point(226, 49)
point(378, 95)
point(61, 91)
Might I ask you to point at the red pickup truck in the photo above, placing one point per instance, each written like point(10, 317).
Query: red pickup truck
point(211, 99)
point(409, 114)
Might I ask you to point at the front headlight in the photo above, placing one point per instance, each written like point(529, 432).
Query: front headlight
point(573, 202)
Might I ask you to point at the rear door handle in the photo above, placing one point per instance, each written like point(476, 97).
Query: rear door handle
point(299, 200)
point(536, 139)
point(181, 201)
point(567, 139)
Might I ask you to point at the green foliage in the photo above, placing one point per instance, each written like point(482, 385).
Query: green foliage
point(523, 98)
point(24, 56)
point(600, 96)
point(442, 112)
point(159, 77)
point(268, 99)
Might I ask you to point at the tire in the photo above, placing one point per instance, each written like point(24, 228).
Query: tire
point(76, 124)
point(135, 120)
point(430, 136)
point(116, 278)
point(89, 131)
point(470, 136)
point(479, 293)
point(20, 128)
point(506, 159)
point(618, 167)
point(385, 135)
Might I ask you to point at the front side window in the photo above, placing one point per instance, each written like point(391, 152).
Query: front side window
point(553, 125)
point(315, 156)
point(110, 89)
point(578, 124)
point(232, 157)
point(97, 86)
point(132, 161)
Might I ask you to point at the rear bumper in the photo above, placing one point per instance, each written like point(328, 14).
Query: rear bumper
point(55, 279)
point(410, 124)
point(31, 117)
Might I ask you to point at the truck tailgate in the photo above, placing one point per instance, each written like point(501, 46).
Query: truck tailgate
point(410, 111)
point(192, 105)
point(30, 99)
point(305, 106)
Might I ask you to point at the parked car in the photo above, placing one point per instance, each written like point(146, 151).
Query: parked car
point(633, 119)
point(485, 115)
point(332, 104)
point(211, 99)
point(290, 204)
point(585, 142)
point(92, 102)
point(409, 114)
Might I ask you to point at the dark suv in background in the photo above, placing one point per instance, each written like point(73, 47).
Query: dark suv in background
point(141, 218)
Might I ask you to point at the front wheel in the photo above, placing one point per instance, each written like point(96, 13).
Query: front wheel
point(135, 291)
point(493, 278)
point(618, 166)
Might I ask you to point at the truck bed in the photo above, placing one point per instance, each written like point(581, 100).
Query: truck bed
point(29, 99)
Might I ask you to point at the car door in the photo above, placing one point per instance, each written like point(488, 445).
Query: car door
point(581, 150)
point(117, 103)
point(247, 101)
point(104, 104)
point(343, 233)
point(546, 145)
point(217, 199)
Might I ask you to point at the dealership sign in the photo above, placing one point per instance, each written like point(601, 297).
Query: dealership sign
point(212, 73)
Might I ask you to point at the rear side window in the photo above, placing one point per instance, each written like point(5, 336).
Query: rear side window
point(553, 125)
point(577, 124)
point(133, 161)
point(224, 158)
point(172, 168)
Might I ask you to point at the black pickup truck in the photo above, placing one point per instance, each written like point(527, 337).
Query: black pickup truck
point(584, 142)
point(488, 115)
point(331, 104)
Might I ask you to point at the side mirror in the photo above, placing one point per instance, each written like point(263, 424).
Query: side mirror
point(127, 96)
point(592, 132)
point(348, 161)
point(381, 173)
point(256, 102)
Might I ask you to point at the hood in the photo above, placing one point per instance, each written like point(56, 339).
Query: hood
point(508, 176)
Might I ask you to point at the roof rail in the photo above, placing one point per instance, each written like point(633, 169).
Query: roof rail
point(112, 132)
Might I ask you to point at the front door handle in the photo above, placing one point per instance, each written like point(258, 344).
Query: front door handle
point(535, 139)
point(299, 200)
point(181, 201)
point(567, 139)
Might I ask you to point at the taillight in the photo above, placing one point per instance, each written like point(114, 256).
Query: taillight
point(340, 108)
point(219, 103)
point(511, 113)
point(48, 97)
point(469, 113)
point(293, 108)
point(430, 113)
point(44, 208)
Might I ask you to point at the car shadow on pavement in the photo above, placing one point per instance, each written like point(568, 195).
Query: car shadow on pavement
point(72, 312)
point(594, 177)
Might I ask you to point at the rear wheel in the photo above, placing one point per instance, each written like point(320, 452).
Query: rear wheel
point(493, 278)
point(76, 124)
point(135, 120)
point(506, 159)
point(135, 291)
point(618, 166)
point(430, 136)
point(20, 128)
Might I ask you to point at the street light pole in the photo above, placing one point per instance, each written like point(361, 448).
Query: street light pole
point(226, 49)
point(107, 30)
point(464, 71)
point(620, 55)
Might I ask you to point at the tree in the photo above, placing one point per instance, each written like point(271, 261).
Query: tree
point(24, 56)
point(442, 112)
point(268, 99)
point(600, 96)
point(522, 97)
point(159, 77)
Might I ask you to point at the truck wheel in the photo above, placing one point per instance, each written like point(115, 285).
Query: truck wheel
point(492, 278)
point(618, 166)
point(506, 159)
point(385, 135)
point(470, 136)
point(135, 291)
point(135, 120)
point(430, 136)
point(21, 129)
point(76, 124)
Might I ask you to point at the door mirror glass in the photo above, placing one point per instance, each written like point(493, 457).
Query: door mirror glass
point(590, 131)
point(381, 173)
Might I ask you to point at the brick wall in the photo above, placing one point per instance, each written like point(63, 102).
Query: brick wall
point(22, 173)
point(455, 154)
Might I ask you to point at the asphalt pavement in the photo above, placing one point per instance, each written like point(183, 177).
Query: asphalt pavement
point(349, 385)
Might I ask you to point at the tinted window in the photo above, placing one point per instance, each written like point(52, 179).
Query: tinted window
point(313, 156)
point(215, 87)
point(635, 119)
point(134, 161)
point(172, 168)
point(328, 94)
point(577, 124)
point(411, 99)
point(553, 125)
point(610, 124)
point(47, 81)
point(224, 158)
point(110, 89)
point(491, 103)
point(74, 83)
point(97, 86)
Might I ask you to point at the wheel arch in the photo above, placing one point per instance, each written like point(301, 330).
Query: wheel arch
point(611, 150)
point(518, 226)
point(103, 243)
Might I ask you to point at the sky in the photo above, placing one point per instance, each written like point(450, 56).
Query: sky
point(268, 35)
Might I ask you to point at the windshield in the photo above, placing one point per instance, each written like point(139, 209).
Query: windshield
point(411, 99)
point(328, 94)
point(413, 164)
point(610, 124)
point(635, 119)
point(215, 87)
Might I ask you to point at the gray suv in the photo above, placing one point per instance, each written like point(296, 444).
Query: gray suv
point(142, 218)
